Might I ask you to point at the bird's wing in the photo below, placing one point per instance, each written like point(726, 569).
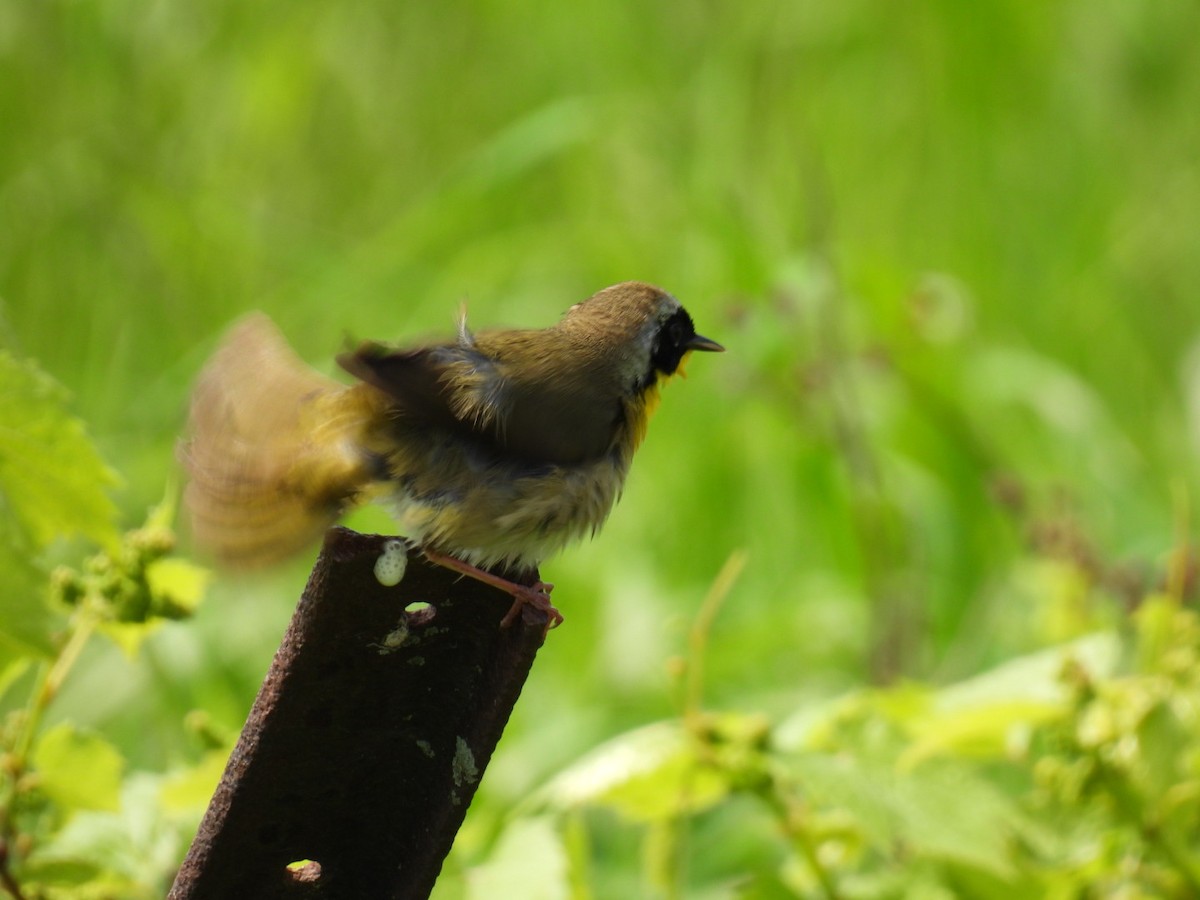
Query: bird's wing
point(424, 383)
point(520, 410)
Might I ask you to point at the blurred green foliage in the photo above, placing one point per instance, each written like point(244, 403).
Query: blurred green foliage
point(66, 829)
point(1073, 772)
point(950, 247)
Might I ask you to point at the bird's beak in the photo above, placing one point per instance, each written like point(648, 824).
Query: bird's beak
point(699, 342)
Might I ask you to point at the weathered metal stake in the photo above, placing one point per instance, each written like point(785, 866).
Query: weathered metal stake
point(369, 734)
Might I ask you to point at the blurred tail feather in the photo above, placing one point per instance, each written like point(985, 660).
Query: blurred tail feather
point(272, 454)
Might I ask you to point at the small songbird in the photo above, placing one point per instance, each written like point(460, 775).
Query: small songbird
point(494, 450)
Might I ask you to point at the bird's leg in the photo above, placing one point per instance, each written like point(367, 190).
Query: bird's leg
point(536, 595)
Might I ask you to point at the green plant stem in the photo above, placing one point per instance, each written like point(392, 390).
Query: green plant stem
point(702, 628)
point(1130, 804)
point(50, 683)
point(46, 688)
point(693, 686)
point(7, 881)
point(790, 820)
point(1178, 857)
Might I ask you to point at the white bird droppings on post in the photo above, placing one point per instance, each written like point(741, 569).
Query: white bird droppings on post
point(389, 568)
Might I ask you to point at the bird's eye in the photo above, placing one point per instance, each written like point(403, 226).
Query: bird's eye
point(670, 343)
point(676, 333)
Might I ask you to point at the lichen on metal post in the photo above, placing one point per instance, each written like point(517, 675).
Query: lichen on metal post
point(369, 735)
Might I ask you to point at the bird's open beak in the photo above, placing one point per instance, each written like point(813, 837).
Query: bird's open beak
point(699, 342)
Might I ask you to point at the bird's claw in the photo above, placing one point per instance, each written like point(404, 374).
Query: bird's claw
point(537, 596)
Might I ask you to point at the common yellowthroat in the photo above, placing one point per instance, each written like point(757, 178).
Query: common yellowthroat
point(494, 450)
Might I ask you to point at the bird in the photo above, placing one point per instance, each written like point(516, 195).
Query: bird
point(493, 451)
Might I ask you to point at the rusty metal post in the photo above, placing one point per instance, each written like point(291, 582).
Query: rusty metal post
point(369, 734)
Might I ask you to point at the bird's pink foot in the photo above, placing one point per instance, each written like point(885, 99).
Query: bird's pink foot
point(536, 595)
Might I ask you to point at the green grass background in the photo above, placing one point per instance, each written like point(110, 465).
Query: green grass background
point(952, 249)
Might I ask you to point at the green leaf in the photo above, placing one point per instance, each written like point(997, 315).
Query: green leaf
point(945, 811)
point(134, 850)
point(649, 774)
point(1165, 744)
point(1036, 677)
point(129, 636)
point(25, 616)
point(984, 732)
point(11, 670)
point(577, 846)
point(60, 873)
point(190, 790)
point(1158, 626)
point(529, 861)
point(177, 583)
point(839, 782)
point(78, 770)
point(948, 812)
point(52, 480)
point(979, 716)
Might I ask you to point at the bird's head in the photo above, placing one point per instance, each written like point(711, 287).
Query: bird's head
point(639, 330)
